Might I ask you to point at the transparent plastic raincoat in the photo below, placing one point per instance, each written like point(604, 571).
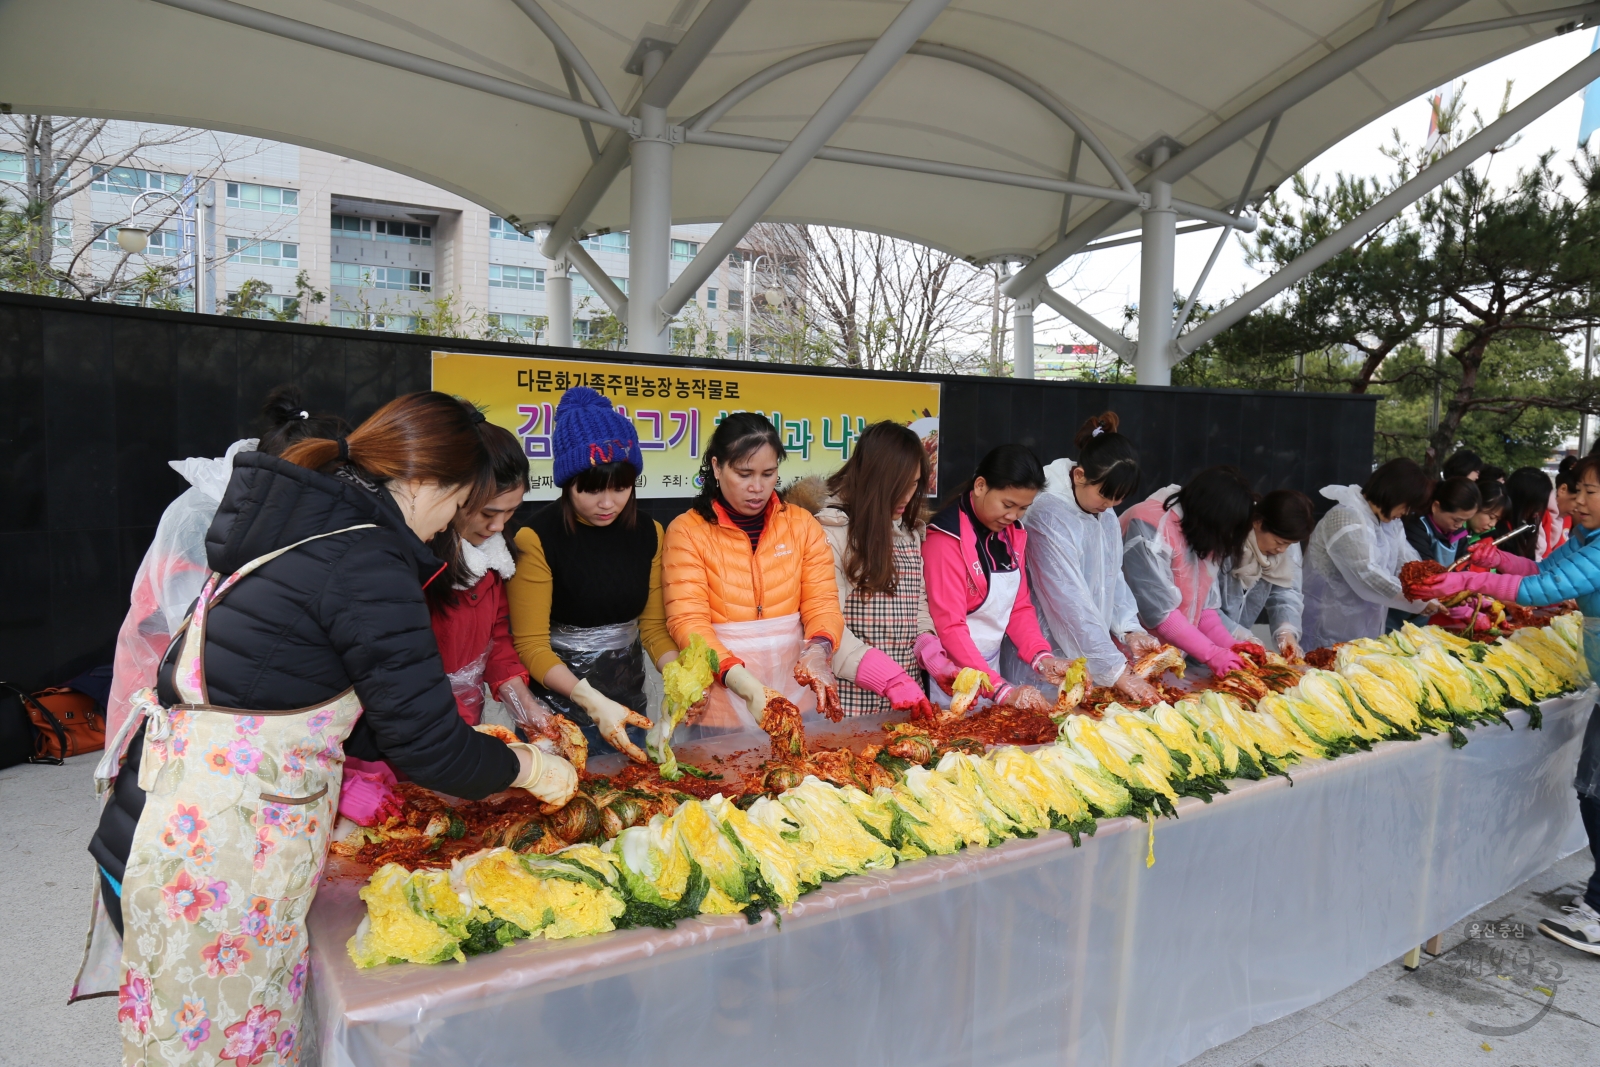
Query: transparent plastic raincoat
point(1075, 574)
point(1352, 571)
point(169, 578)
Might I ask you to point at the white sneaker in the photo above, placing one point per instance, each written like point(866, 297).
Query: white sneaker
point(1582, 933)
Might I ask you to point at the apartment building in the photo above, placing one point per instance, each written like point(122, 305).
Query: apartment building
point(385, 249)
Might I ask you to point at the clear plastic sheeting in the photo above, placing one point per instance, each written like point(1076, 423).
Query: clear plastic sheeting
point(1352, 571)
point(1265, 901)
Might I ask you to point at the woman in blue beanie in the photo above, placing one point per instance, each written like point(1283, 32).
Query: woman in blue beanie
point(586, 598)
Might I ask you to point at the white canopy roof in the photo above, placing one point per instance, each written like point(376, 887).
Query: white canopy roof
point(1130, 72)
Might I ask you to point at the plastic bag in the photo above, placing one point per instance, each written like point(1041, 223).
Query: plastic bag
point(769, 648)
point(611, 659)
point(467, 685)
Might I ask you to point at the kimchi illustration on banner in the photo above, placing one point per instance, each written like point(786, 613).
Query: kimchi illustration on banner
point(675, 410)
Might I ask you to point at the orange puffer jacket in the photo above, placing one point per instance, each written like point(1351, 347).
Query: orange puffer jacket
point(709, 575)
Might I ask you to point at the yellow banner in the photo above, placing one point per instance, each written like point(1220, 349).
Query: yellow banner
point(675, 410)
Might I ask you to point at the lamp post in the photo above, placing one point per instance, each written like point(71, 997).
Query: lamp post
point(773, 294)
point(135, 239)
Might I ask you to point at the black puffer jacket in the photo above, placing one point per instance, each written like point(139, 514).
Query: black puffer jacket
point(340, 612)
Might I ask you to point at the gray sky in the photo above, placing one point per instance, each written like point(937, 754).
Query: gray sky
point(1106, 282)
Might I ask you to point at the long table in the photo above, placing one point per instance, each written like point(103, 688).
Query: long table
point(1271, 898)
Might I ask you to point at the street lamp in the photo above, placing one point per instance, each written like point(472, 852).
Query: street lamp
point(135, 239)
point(773, 294)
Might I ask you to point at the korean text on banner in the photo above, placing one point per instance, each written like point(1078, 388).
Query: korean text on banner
point(675, 410)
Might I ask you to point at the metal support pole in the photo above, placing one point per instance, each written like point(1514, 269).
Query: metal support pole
point(1087, 323)
point(650, 223)
point(1588, 363)
point(1156, 257)
point(870, 69)
point(558, 303)
point(1442, 170)
point(1022, 335)
point(749, 298)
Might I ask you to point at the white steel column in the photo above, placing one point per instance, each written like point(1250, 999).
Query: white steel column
point(650, 222)
point(1022, 334)
point(1157, 248)
point(558, 303)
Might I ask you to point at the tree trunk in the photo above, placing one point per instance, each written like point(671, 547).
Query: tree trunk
point(40, 161)
point(1471, 361)
point(1369, 367)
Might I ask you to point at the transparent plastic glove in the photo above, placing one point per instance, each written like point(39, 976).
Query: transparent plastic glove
point(530, 713)
point(1050, 668)
point(1141, 644)
point(1289, 646)
point(549, 778)
point(814, 670)
point(933, 658)
point(748, 686)
point(1138, 692)
point(611, 718)
point(1027, 698)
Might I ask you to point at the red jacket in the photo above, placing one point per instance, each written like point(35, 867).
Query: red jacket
point(957, 587)
point(468, 624)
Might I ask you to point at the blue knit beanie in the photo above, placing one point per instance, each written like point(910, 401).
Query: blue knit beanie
point(589, 432)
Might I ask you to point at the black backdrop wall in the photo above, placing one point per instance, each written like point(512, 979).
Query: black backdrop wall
point(95, 399)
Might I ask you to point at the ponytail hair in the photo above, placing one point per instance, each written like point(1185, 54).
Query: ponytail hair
point(426, 437)
point(1010, 466)
point(1108, 459)
point(289, 420)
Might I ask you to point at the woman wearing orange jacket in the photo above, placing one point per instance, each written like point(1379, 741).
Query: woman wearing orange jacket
point(753, 576)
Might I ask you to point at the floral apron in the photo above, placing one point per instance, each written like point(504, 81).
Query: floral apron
point(225, 862)
point(887, 622)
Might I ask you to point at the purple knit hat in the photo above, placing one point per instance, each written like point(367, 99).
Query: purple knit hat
point(589, 432)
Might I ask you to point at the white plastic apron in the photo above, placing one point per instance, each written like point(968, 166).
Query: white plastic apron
point(987, 625)
point(768, 648)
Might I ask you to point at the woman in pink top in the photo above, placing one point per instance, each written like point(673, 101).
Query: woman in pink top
point(973, 562)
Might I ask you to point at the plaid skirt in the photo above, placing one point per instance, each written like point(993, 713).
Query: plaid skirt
point(888, 623)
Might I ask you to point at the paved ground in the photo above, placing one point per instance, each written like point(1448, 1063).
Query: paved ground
point(1528, 1002)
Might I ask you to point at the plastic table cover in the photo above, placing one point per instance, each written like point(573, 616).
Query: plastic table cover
point(1267, 900)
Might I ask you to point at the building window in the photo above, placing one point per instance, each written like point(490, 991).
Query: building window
point(529, 326)
point(500, 229)
point(406, 233)
point(11, 166)
point(263, 198)
point(163, 243)
point(733, 343)
point(506, 277)
point(350, 226)
point(266, 253)
point(276, 304)
point(375, 320)
point(401, 278)
point(736, 259)
point(684, 251)
point(130, 181)
point(581, 286)
point(63, 233)
point(105, 238)
point(711, 299)
point(607, 242)
point(735, 299)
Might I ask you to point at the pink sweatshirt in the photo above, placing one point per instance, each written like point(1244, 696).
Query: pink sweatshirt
point(957, 587)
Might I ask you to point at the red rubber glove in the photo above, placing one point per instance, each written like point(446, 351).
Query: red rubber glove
point(1488, 554)
point(937, 662)
point(1502, 587)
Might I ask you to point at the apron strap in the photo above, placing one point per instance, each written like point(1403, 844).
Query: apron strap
point(191, 660)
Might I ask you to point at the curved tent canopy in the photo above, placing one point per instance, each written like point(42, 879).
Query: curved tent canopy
point(1015, 89)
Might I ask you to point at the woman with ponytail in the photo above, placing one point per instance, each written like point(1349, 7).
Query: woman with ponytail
point(1075, 560)
point(311, 640)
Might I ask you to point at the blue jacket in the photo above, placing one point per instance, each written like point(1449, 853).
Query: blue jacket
point(1572, 572)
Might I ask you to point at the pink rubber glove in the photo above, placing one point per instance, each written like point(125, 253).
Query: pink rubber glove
point(1465, 613)
point(1502, 587)
point(1488, 554)
point(1177, 630)
point(937, 662)
point(1211, 624)
point(883, 676)
point(367, 796)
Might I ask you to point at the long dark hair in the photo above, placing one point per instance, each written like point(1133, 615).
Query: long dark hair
point(1457, 494)
point(886, 457)
point(1218, 512)
point(1108, 459)
point(288, 420)
point(507, 470)
point(740, 434)
point(1010, 466)
point(1529, 489)
point(617, 475)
